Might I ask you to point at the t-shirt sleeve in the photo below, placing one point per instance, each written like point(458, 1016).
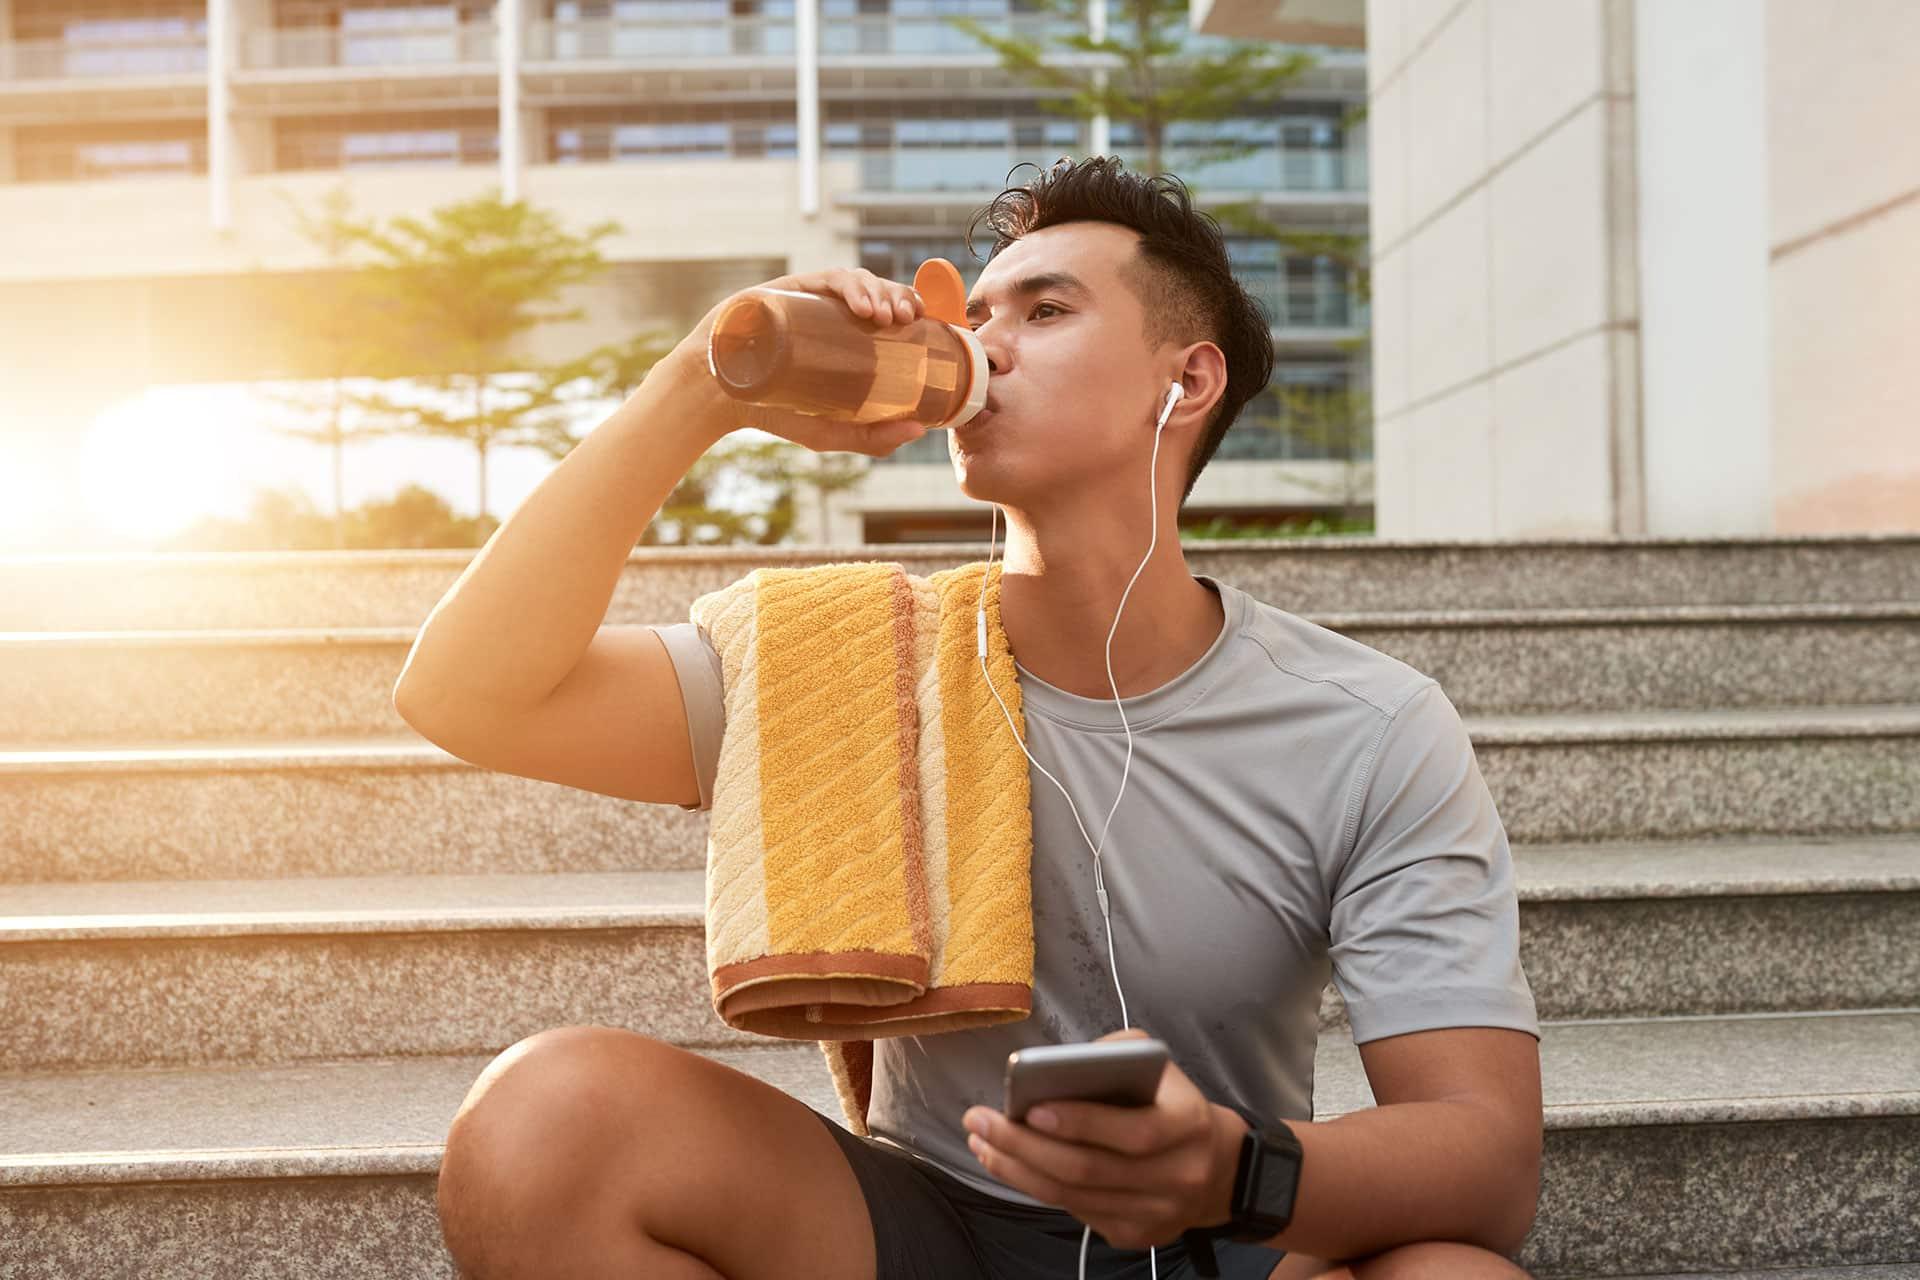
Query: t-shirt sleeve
point(697, 664)
point(1424, 930)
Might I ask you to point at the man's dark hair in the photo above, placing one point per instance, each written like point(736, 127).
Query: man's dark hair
point(1180, 272)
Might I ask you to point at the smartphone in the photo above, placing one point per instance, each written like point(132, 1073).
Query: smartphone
point(1120, 1073)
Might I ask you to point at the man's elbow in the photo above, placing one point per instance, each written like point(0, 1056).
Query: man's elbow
point(1518, 1203)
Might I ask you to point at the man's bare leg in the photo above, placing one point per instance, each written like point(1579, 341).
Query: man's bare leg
point(1424, 1260)
point(587, 1152)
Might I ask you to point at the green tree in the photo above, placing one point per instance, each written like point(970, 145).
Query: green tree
point(691, 515)
point(598, 380)
point(1167, 79)
point(1158, 80)
point(1338, 424)
point(285, 519)
point(788, 467)
point(326, 323)
point(454, 293)
point(1155, 73)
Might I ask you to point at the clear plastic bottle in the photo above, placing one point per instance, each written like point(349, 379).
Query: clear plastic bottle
point(811, 354)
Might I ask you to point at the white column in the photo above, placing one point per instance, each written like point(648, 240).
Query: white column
point(509, 28)
point(220, 113)
point(1703, 208)
point(1097, 142)
point(806, 73)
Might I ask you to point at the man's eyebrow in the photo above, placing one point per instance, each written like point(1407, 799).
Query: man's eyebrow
point(1065, 281)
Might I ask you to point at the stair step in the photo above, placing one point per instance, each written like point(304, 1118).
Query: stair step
point(1653, 775)
point(125, 973)
point(1684, 1143)
point(103, 810)
point(1895, 1271)
point(400, 588)
point(1671, 656)
point(322, 1170)
point(1718, 927)
point(336, 1118)
point(1724, 868)
point(187, 685)
point(283, 971)
point(283, 807)
point(1671, 1144)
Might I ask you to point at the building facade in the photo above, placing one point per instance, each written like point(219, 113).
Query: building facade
point(1639, 267)
point(152, 153)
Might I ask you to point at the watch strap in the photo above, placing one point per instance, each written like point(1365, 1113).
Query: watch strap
point(1199, 1240)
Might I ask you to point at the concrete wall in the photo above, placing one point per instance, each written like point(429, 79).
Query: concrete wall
point(1505, 306)
point(1644, 268)
point(1842, 95)
point(1701, 150)
point(669, 211)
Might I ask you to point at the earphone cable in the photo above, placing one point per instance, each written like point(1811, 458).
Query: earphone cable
point(1100, 892)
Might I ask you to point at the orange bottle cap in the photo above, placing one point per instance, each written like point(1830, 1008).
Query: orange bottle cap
point(942, 290)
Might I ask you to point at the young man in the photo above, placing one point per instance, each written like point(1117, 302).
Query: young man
point(1297, 805)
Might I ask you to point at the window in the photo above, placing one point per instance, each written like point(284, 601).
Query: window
point(365, 142)
point(64, 153)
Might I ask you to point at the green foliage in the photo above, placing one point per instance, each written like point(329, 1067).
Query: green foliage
point(324, 323)
point(287, 520)
point(691, 516)
point(1148, 77)
point(1154, 83)
point(444, 303)
point(460, 285)
point(1220, 528)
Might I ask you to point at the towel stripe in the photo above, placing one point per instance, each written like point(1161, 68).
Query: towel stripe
point(906, 742)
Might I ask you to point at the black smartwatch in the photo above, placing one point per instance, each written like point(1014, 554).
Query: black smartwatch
point(1265, 1179)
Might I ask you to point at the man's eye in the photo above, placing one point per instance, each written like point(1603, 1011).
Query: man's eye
point(1036, 310)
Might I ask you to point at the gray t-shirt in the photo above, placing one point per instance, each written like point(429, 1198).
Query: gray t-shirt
point(1298, 805)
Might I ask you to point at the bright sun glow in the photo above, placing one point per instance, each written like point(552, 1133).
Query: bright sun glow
point(153, 464)
point(27, 501)
point(156, 462)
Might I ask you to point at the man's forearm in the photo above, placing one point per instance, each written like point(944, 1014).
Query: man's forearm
point(1390, 1175)
point(516, 621)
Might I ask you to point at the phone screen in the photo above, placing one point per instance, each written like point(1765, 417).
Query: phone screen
point(1121, 1073)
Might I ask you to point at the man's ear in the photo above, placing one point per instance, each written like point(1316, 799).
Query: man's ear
point(1203, 372)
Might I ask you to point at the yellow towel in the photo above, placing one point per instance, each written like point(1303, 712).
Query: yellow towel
point(871, 840)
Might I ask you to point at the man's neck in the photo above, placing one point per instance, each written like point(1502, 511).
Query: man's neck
point(1058, 616)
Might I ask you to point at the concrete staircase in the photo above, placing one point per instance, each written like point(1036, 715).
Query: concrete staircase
point(257, 938)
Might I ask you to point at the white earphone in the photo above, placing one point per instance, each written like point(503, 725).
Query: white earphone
point(1174, 392)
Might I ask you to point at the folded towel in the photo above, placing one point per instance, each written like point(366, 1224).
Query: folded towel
point(871, 840)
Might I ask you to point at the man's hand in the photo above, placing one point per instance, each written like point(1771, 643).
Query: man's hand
point(879, 302)
point(1139, 1176)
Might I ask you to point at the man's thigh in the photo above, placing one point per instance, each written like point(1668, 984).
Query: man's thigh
point(601, 1132)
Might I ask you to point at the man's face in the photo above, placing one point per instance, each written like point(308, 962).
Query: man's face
point(1074, 387)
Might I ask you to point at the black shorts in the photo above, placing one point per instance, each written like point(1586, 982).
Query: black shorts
point(928, 1225)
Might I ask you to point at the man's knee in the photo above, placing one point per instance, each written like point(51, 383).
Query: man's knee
point(1430, 1260)
point(531, 1141)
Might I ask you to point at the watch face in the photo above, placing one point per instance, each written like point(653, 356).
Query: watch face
point(1276, 1178)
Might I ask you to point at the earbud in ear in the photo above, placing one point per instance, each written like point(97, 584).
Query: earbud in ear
point(1175, 391)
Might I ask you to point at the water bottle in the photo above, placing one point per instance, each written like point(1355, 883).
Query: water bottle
point(811, 354)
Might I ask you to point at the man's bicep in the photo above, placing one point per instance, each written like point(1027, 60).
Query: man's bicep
point(1494, 1066)
point(1424, 922)
point(1496, 1070)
